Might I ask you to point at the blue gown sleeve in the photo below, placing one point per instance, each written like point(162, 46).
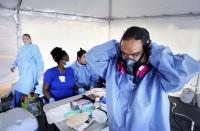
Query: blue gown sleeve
point(99, 57)
point(38, 58)
point(173, 70)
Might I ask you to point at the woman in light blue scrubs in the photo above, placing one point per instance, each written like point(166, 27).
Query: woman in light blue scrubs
point(139, 74)
point(84, 76)
point(30, 65)
point(58, 81)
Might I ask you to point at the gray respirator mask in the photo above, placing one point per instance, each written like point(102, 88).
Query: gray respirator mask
point(131, 65)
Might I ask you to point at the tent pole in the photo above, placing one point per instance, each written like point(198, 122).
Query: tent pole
point(109, 19)
point(18, 24)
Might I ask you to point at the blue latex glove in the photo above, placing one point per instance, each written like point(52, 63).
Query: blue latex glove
point(103, 100)
point(51, 100)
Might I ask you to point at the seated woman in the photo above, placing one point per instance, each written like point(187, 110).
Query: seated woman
point(59, 81)
point(84, 76)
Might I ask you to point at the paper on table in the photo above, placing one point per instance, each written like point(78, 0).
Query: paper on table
point(57, 114)
point(83, 126)
point(77, 120)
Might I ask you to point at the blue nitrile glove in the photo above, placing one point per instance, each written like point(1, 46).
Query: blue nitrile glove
point(51, 100)
point(103, 100)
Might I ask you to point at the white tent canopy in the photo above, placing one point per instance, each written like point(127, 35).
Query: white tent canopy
point(72, 24)
point(102, 8)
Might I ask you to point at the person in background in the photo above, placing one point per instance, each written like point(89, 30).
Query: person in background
point(139, 75)
point(30, 65)
point(58, 81)
point(84, 76)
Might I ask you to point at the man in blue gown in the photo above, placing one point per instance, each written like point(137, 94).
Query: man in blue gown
point(139, 74)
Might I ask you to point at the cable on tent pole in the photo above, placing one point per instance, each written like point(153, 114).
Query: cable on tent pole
point(18, 6)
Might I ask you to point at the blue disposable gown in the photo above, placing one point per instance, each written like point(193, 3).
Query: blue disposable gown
point(143, 107)
point(84, 76)
point(30, 65)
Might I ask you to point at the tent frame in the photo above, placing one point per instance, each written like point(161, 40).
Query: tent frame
point(56, 15)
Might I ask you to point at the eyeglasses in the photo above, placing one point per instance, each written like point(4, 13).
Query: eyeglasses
point(133, 56)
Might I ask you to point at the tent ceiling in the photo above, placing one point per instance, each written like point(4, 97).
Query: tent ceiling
point(138, 8)
point(96, 8)
point(100, 8)
point(9, 3)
